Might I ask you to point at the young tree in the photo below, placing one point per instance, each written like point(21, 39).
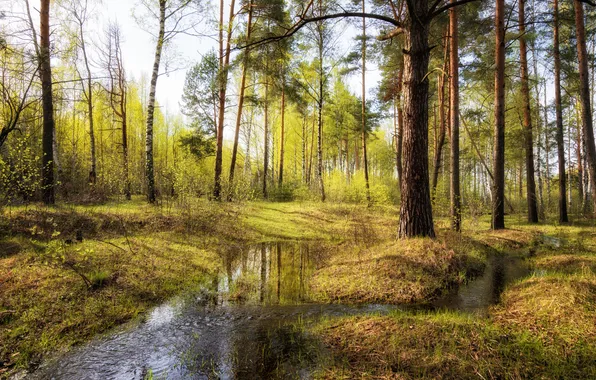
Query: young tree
point(117, 91)
point(172, 17)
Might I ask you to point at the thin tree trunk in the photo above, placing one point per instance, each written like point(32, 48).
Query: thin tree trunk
point(440, 139)
point(45, 71)
point(151, 107)
point(266, 139)
point(241, 96)
point(224, 62)
point(529, 139)
point(364, 153)
point(89, 95)
point(587, 121)
point(454, 122)
point(283, 132)
point(498, 193)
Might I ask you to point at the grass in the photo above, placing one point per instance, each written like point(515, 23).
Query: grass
point(544, 327)
point(412, 271)
point(58, 292)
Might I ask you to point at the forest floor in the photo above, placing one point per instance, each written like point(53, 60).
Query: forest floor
point(57, 291)
point(544, 326)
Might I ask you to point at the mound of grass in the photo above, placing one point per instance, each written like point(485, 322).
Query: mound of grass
point(406, 271)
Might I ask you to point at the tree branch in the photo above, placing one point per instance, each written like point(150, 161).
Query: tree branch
point(395, 32)
point(449, 6)
point(304, 21)
point(589, 2)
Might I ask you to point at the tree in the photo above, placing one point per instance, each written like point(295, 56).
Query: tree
point(586, 108)
point(455, 200)
point(245, 64)
point(498, 193)
point(45, 71)
point(80, 12)
point(563, 218)
point(440, 139)
point(201, 103)
point(171, 17)
point(117, 91)
point(224, 62)
point(364, 153)
point(528, 136)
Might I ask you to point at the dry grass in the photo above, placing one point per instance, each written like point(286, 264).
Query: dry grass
point(405, 271)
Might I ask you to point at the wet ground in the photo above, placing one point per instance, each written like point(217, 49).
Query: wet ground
point(243, 323)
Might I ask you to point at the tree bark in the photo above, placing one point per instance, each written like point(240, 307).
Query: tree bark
point(498, 193)
point(584, 79)
point(224, 62)
point(283, 132)
point(528, 136)
point(266, 139)
point(320, 120)
point(89, 95)
point(151, 107)
point(454, 120)
point(47, 182)
point(241, 96)
point(400, 124)
point(416, 217)
point(364, 153)
point(440, 139)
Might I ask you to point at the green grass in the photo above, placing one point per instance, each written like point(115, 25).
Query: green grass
point(544, 327)
point(57, 292)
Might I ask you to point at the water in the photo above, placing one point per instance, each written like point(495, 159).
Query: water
point(240, 324)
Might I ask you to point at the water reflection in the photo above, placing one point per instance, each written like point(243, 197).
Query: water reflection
point(269, 273)
point(240, 324)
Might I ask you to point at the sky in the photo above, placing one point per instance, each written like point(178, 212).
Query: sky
point(139, 49)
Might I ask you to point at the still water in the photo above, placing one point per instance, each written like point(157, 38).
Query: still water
point(241, 324)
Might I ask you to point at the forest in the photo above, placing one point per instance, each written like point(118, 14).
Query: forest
point(327, 189)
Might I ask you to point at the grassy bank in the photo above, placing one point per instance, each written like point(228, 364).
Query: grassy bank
point(70, 272)
point(544, 327)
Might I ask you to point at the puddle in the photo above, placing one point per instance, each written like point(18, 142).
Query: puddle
point(483, 291)
point(238, 326)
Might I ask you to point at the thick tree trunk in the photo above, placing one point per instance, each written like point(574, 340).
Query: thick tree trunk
point(528, 136)
point(151, 107)
point(364, 153)
point(454, 120)
point(416, 217)
point(45, 70)
point(498, 193)
point(584, 80)
point(241, 96)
